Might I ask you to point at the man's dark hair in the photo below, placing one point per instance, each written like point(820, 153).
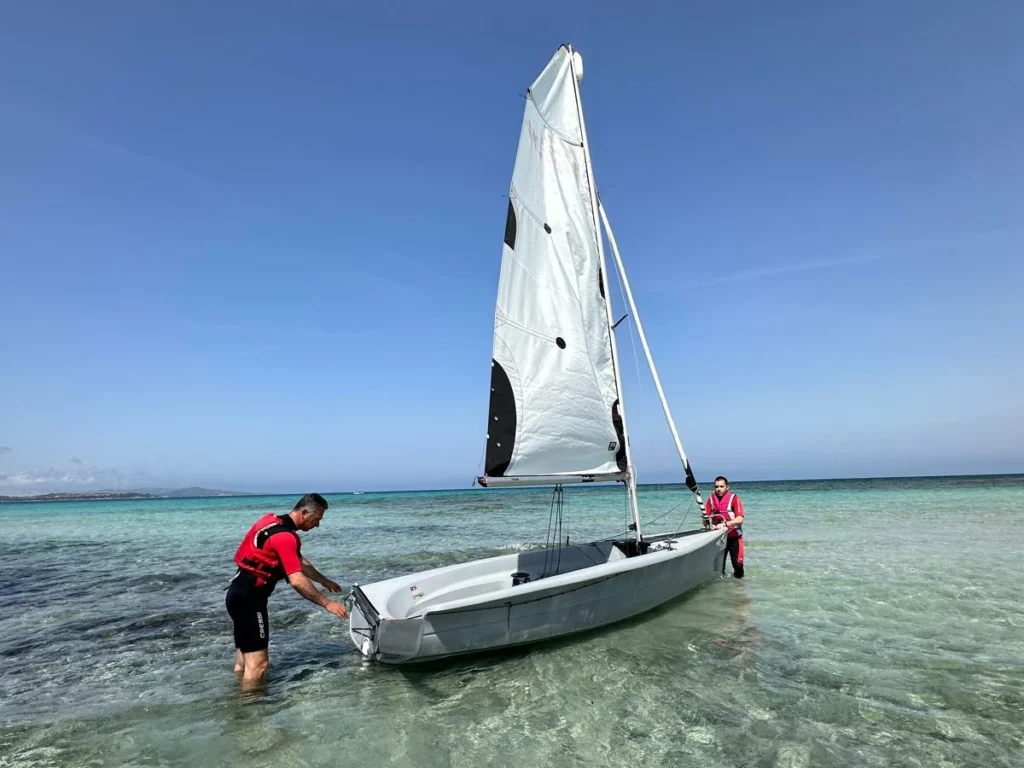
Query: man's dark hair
point(723, 478)
point(312, 502)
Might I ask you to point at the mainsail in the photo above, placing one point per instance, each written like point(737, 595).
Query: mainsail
point(555, 413)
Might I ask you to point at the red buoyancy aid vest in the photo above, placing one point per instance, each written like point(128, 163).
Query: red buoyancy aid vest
point(262, 563)
point(723, 507)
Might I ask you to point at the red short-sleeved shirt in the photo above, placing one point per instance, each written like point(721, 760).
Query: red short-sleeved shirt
point(286, 546)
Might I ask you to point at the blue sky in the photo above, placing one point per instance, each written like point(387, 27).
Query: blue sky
point(256, 245)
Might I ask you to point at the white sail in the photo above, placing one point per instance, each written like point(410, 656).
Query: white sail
point(554, 406)
point(554, 419)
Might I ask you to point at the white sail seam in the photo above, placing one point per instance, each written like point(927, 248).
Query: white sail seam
point(519, 260)
point(564, 137)
point(513, 195)
point(565, 64)
point(524, 329)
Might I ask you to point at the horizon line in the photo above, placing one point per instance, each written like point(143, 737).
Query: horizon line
point(257, 494)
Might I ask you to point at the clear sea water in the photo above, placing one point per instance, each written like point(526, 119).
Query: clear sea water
point(880, 625)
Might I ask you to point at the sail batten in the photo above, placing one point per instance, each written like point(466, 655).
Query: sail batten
point(523, 481)
point(555, 407)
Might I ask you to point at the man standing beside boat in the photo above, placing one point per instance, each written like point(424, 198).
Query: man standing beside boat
point(725, 510)
point(271, 551)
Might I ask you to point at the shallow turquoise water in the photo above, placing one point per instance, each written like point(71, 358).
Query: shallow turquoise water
point(880, 624)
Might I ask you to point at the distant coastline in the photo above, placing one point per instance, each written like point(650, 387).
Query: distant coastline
point(137, 495)
point(792, 484)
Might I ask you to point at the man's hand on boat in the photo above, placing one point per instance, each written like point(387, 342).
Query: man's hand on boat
point(304, 586)
point(336, 608)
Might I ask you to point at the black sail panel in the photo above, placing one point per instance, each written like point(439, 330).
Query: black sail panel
point(501, 423)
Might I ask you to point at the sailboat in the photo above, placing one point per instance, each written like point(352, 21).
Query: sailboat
point(556, 417)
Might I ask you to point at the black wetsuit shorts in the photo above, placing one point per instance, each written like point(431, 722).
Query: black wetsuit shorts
point(247, 607)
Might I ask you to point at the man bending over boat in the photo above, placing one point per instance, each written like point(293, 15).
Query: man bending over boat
point(271, 551)
point(725, 510)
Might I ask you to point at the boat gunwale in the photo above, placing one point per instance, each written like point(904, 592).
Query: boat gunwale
point(531, 589)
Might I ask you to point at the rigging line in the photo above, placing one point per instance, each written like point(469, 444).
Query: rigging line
point(625, 510)
point(666, 514)
point(561, 520)
point(662, 516)
point(555, 525)
point(483, 455)
point(561, 510)
point(685, 514)
point(583, 551)
point(655, 520)
point(632, 340)
point(595, 562)
point(547, 536)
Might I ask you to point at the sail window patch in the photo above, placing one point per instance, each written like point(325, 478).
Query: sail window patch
point(560, 342)
point(510, 227)
point(547, 228)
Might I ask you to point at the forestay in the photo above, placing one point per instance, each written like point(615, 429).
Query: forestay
point(554, 404)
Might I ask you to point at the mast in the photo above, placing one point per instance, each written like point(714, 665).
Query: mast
point(691, 482)
point(576, 64)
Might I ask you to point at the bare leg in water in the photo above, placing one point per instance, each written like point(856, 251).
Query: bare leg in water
point(254, 667)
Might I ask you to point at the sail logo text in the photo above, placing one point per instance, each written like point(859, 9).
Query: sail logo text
point(537, 142)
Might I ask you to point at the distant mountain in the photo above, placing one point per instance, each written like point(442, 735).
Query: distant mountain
point(135, 493)
point(182, 493)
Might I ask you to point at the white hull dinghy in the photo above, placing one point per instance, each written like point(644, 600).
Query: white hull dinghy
point(556, 417)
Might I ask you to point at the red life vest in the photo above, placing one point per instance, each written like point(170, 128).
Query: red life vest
point(262, 563)
point(722, 507)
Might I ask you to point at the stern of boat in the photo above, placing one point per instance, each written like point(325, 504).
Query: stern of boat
point(380, 638)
